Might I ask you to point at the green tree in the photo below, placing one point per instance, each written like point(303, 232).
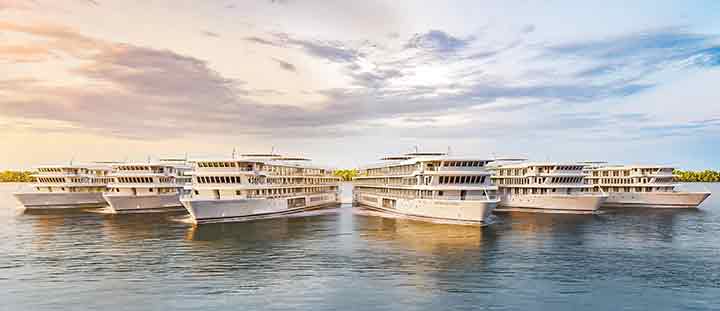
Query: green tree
point(700, 176)
point(346, 174)
point(15, 176)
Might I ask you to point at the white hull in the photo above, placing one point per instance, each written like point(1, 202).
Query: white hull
point(549, 202)
point(143, 203)
point(232, 210)
point(60, 200)
point(473, 211)
point(656, 199)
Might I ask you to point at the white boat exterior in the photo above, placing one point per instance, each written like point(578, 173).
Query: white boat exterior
point(257, 186)
point(146, 187)
point(66, 186)
point(641, 186)
point(430, 187)
point(553, 187)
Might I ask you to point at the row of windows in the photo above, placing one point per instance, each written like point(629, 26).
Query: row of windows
point(406, 169)
point(134, 180)
point(419, 194)
point(50, 170)
point(464, 163)
point(627, 181)
point(51, 179)
point(101, 180)
point(462, 179)
point(540, 170)
point(538, 180)
point(508, 191)
point(249, 166)
point(635, 189)
point(95, 180)
point(219, 164)
point(391, 170)
point(219, 179)
point(72, 189)
point(268, 180)
point(159, 190)
point(154, 169)
point(275, 192)
point(611, 173)
point(627, 172)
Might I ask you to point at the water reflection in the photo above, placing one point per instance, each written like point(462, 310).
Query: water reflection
point(421, 236)
point(547, 224)
point(341, 259)
point(643, 226)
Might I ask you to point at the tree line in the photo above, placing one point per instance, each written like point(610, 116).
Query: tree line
point(16, 176)
point(346, 175)
point(700, 176)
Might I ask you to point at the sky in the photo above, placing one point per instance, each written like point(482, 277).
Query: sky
point(346, 82)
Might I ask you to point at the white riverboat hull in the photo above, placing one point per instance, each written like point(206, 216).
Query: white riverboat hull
point(656, 199)
point(233, 210)
point(465, 211)
point(553, 203)
point(119, 203)
point(60, 200)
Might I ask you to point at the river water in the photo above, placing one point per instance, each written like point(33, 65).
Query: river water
point(348, 259)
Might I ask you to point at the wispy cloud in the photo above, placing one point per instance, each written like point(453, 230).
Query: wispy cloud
point(210, 34)
point(437, 41)
point(159, 93)
point(640, 54)
point(285, 65)
point(334, 51)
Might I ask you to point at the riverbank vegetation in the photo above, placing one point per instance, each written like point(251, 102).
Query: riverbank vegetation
point(346, 175)
point(15, 176)
point(699, 176)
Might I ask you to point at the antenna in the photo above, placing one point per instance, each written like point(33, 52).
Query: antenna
point(449, 151)
point(148, 159)
point(272, 150)
point(233, 153)
point(417, 149)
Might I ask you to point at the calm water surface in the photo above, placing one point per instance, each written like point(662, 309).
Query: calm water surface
point(634, 259)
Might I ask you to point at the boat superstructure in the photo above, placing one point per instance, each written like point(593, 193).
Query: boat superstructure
point(546, 187)
point(67, 186)
point(641, 186)
point(256, 186)
point(146, 187)
point(428, 186)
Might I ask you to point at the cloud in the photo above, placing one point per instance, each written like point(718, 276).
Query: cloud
point(437, 41)
point(285, 65)
point(141, 92)
point(210, 34)
point(641, 54)
point(259, 40)
point(528, 29)
point(334, 51)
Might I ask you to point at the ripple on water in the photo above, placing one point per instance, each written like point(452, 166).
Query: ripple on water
point(345, 258)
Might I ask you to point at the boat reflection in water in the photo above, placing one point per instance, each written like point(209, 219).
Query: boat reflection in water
point(430, 257)
point(421, 236)
point(267, 230)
